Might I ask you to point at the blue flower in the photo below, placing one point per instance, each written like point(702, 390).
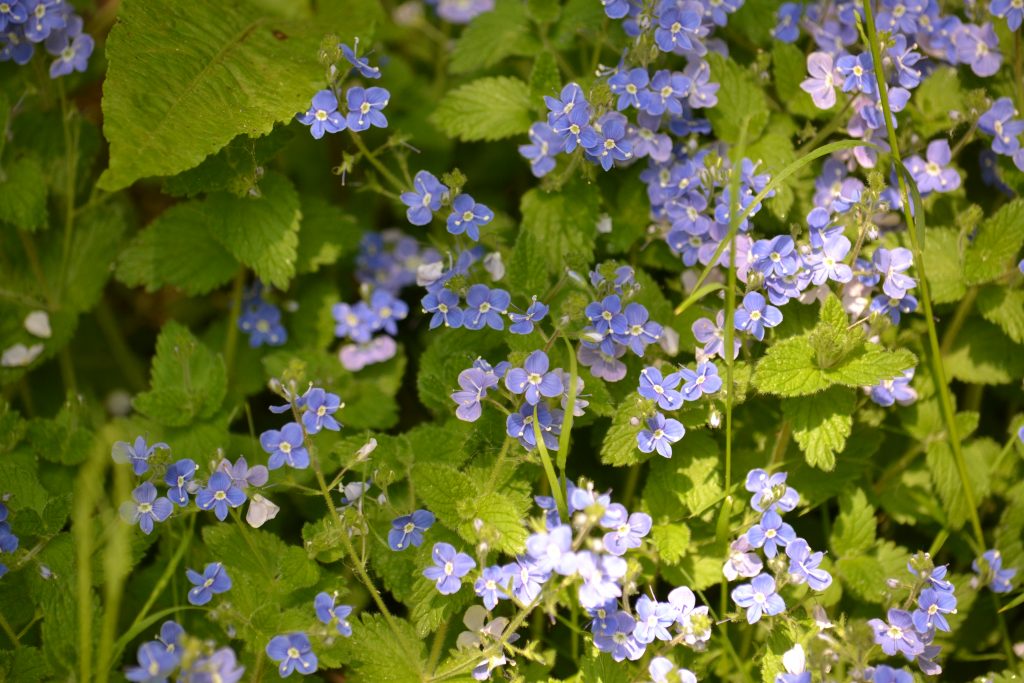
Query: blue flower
point(444, 304)
point(679, 29)
point(932, 608)
point(933, 174)
point(329, 613)
point(999, 580)
point(634, 329)
point(323, 115)
point(242, 475)
point(896, 390)
point(285, 446)
point(408, 530)
point(551, 551)
point(467, 217)
point(827, 264)
point(603, 313)
point(425, 199)
point(893, 306)
point(712, 336)
point(360, 64)
point(148, 508)
point(219, 493)
point(15, 47)
point(771, 533)
point(631, 87)
point(887, 674)
point(492, 586)
point(610, 143)
point(703, 380)
point(998, 122)
point(621, 643)
point(221, 666)
point(155, 664)
point(770, 491)
point(522, 323)
point(364, 108)
point(776, 256)
point(570, 100)
point(261, 320)
point(977, 46)
point(74, 56)
point(526, 579)
point(137, 454)
point(544, 144)
point(574, 129)
point(8, 541)
point(387, 310)
point(320, 408)
point(485, 307)
point(660, 434)
point(12, 12)
point(449, 567)
point(1011, 10)
point(653, 620)
point(177, 478)
point(755, 314)
point(213, 581)
point(787, 26)
point(294, 652)
point(353, 321)
point(898, 635)
point(703, 93)
point(759, 597)
point(44, 16)
point(519, 425)
point(661, 389)
point(533, 379)
point(668, 92)
point(857, 72)
point(628, 534)
point(803, 565)
point(474, 382)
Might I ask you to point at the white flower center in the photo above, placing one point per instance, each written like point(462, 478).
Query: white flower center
point(321, 115)
point(449, 568)
point(285, 447)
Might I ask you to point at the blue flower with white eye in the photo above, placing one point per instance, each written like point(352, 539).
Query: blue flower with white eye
point(449, 568)
point(408, 530)
point(444, 304)
point(533, 379)
point(387, 310)
point(148, 508)
point(999, 580)
point(755, 314)
point(668, 92)
point(776, 256)
point(285, 447)
point(74, 56)
point(474, 383)
point(759, 597)
point(519, 425)
point(426, 198)
point(678, 29)
point(353, 321)
point(653, 620)
point(219, 494)
point(468, 216)
point(804, 565)
point(787, 26)
point(329, 613)
point(492, 586)
point(484, 307)
point(213, 581)
point(1011, 10)
point(320, 408)
point(261, 320)
point(364, 108)
point(631, 87)
point(610, 144)
point(621, 644)
point(294, 652)
point(857, 72)
point(155, 664)
point(661, 389)
point(704, 380)
point(44, 17)
point(16, 48)
point(570, 100)
point(660, 434)
point(178, 477)
point(522, 323)
point(771, 533)
point(628, 533)
point(634, 329)
point(893, 307)
point(898, 635)
point(323, 115)
point(551, 551)
point(360, 64)
point(545, 143)
point(12, 12)
point(137, 453)
point(932, 608)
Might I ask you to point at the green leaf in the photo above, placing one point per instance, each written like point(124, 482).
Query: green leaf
point(866, 575)
point(236, 169)
point(994, 251)
point(188, 381)
point(66, 438)
point(1004, 307)
point(931, 109)
point(944, 257)
point(327, 233)
point(442, 489)
point(545, 78)
point(261, 232)
point(619, 447)
point(97, 237)
point(740, 96)
point(177, 250)
point(691, 480)
point(854, 531)
point(430, 609)
point(485, 109)
point(789, 69)
point(380, 655)
point(788, 369)
point(493, 36)
point(496, 518)
point(821, 424)
point(672, 542)
point(563, 223)
point(23, 194)
point(979, 456)
point(982, 354)
point(225, 69)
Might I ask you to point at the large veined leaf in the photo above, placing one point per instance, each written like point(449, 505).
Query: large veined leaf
point(186, 78)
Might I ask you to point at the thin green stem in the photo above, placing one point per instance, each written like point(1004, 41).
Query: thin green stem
point(437, 646)
point(963, 309)
point(231, 339)
point(570, 408)
point(549, 469)
point(942, 385)
point(499, 462)
point(397, 184)
point(11, 635)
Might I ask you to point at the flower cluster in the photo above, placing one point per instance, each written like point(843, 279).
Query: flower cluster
point(364, 105)
point(294, 652)
point(667, 394)
point(614, 327)
point(52, 23)
point(37, 324)
point(771, 497)
point(989, 568)
point(287, 446)
point(261, 320)
point(387, 262)
point(193, 659)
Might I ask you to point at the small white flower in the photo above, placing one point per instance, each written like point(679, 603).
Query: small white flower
point(604, 224)
point(260, 511)
point(794, 659)
point(494, 266)
point(428, 273)
point(38, 324)
point(364, 452)
point(19, 355)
